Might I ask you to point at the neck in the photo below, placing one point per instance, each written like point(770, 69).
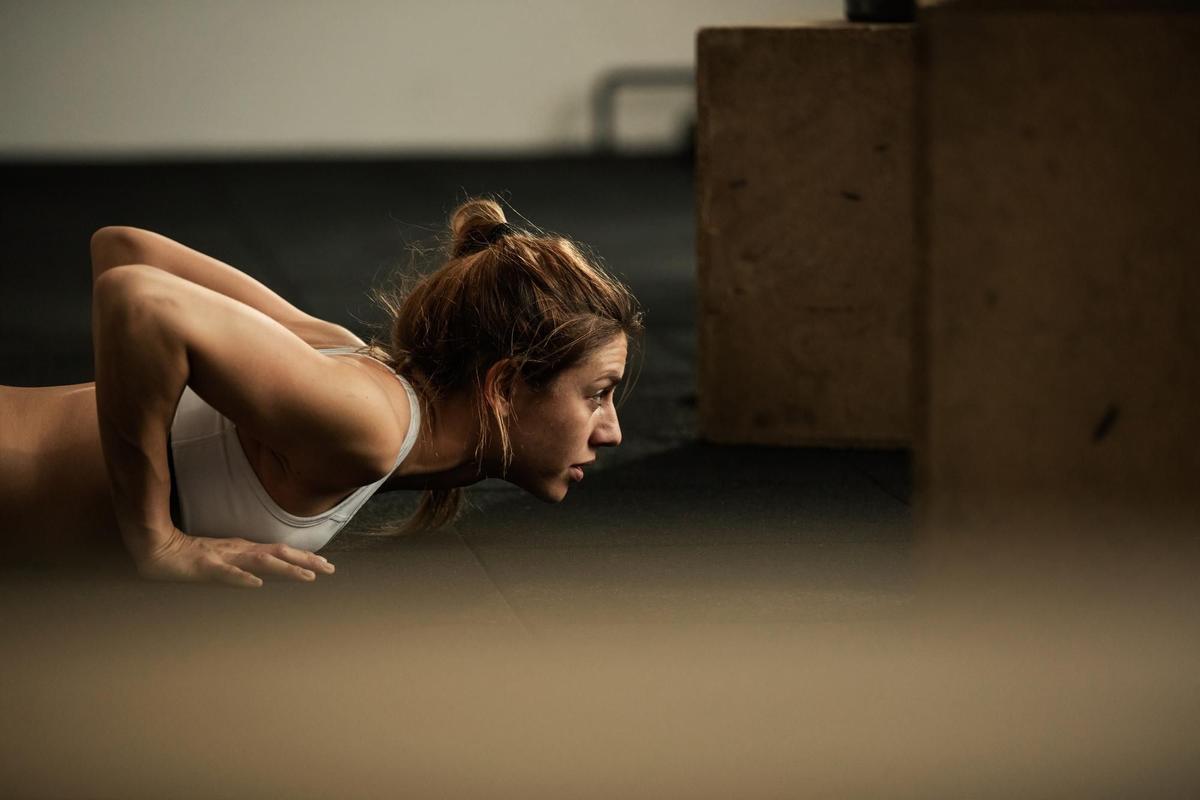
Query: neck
point(443, 456)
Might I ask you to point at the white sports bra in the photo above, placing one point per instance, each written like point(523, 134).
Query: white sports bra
point(219, 494)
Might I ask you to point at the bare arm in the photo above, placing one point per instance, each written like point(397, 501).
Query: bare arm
point(117, 245)
point(140, 374)
point(154, 333)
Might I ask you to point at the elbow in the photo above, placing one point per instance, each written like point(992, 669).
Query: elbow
point(114, 246)
point(133, 307)
point(125, 293)
point(114, 287)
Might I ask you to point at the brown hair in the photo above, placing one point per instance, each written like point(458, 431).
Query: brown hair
point(529, 299)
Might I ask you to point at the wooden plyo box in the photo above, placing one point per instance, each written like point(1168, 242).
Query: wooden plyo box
point(805, 234)
point(1062, 221)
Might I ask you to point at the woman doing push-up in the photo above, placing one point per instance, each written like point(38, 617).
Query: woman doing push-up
point(229, 435)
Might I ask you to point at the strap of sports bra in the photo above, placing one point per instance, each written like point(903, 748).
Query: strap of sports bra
point(414, 423)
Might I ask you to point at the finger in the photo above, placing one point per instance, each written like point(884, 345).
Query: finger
point(233, 575)
point(263, 562)
point(303, 558)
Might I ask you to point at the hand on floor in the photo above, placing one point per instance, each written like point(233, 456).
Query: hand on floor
point(237, 562)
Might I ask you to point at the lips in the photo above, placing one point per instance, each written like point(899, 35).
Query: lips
point(576, 470)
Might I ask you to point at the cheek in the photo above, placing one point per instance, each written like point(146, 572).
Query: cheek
point(565, 432)
point(557, 435)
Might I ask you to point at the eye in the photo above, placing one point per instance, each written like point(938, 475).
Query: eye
point(602, 394)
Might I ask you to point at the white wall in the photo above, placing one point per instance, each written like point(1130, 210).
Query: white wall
point(98, 78)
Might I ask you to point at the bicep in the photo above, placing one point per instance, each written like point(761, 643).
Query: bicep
point(268, 381)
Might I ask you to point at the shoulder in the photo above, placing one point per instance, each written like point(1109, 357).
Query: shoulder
point(314, 466)
point(393, 394)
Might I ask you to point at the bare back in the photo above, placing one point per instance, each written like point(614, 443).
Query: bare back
point(53, 480)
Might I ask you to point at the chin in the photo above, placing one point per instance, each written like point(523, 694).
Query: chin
point(552, 494)
point(547, 491)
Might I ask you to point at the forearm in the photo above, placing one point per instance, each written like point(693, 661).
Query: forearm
point(141, 370)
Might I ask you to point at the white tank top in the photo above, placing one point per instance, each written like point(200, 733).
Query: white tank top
point(220, 495)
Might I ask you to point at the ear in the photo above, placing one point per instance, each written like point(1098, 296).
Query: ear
point(498, 386)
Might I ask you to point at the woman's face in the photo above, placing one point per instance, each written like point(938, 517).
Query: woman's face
point(561, 427)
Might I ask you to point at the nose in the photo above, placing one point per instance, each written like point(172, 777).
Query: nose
point(608, 432)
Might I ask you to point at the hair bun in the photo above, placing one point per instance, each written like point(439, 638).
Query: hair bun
point(475, 225)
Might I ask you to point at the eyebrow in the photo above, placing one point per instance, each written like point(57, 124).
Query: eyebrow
point(615, 377)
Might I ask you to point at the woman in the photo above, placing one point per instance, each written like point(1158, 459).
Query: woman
point(228, 435)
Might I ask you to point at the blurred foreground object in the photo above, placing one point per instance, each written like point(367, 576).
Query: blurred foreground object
point(285, 694)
